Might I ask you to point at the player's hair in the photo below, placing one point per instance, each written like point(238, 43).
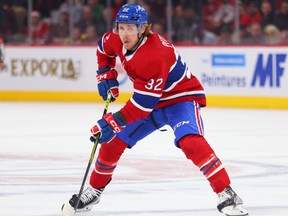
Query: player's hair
point(147, 31)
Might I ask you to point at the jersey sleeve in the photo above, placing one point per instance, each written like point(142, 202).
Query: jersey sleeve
point(148, 89)
point(106, 54)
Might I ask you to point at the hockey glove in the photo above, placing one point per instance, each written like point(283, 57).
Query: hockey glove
point(107, 127)
point(107, 82)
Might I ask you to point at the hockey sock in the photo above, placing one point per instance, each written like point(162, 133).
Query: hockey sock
point(108, 157)
point(197, 149)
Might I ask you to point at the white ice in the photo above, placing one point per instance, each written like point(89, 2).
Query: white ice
point(45, 148)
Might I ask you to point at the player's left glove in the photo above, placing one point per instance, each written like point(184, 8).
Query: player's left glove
point(107, 127)
point(107, 82)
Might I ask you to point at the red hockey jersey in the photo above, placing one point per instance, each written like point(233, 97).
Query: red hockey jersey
point(160, 77)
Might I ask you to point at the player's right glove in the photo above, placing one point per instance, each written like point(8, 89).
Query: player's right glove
point(107, 82)
point(107, 127)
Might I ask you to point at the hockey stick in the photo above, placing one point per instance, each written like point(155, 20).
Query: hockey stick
point(71, 212)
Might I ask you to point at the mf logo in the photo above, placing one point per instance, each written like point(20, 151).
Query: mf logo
point(272, 71)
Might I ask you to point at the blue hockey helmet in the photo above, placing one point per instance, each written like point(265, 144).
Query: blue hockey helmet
point(132, 14)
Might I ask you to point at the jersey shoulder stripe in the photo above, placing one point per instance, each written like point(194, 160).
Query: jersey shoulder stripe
point(175, 77)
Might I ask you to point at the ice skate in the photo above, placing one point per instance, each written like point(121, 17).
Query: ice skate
point(88, 199)
point(230, 203)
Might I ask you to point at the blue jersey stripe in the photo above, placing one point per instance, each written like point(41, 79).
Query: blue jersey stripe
point(145, 101)
point(176, 74)
point(100, 47)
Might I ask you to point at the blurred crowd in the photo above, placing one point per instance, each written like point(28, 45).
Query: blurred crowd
point(63, 22)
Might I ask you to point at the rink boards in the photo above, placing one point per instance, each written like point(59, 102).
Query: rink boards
point(250, 77)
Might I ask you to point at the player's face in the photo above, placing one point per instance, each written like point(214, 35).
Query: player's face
point(128, 34)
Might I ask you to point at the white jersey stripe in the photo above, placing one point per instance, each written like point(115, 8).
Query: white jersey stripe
point(182, 94)
point(175, 83)
point(176, 57)
point(198, 118)
point(147, 93)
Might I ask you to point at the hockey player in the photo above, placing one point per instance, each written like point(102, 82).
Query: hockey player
point(165, 93)
point(2, 64)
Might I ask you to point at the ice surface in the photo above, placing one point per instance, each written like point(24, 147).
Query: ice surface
point(45, 148)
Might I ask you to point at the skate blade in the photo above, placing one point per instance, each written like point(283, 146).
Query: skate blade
point(235, 211)
point(67, 210)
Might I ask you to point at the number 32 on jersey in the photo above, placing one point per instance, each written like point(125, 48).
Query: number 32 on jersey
point(154, 85)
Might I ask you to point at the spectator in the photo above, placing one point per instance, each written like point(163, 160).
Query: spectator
point(96, 10)
point(20, 14)
point(19, 37)
point(102, 27)
point(117, 4)
point(39, 29)
point(147, 5)
point(187, 3)
point(267, 14)
point(8, 24)
point(158, 12)
point(86, 19)
point(60, 31)
point(90, 36)
point(272, 3)
point(249, 14)
point(257, 36)
point(158, 28)
point(284, 36)
point(178, 22)
point(244, 35)
point(224, 16)
point(208, 12)
point(76, 36)
point(225, 36)
point(272, 35)
point(44, 7)
point(281, 18)
point(75, 10)
point(2, 55)
point(278, 4)
point(189, 23)
point(203, 36)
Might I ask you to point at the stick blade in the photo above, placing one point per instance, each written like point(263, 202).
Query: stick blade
point(67, 210)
